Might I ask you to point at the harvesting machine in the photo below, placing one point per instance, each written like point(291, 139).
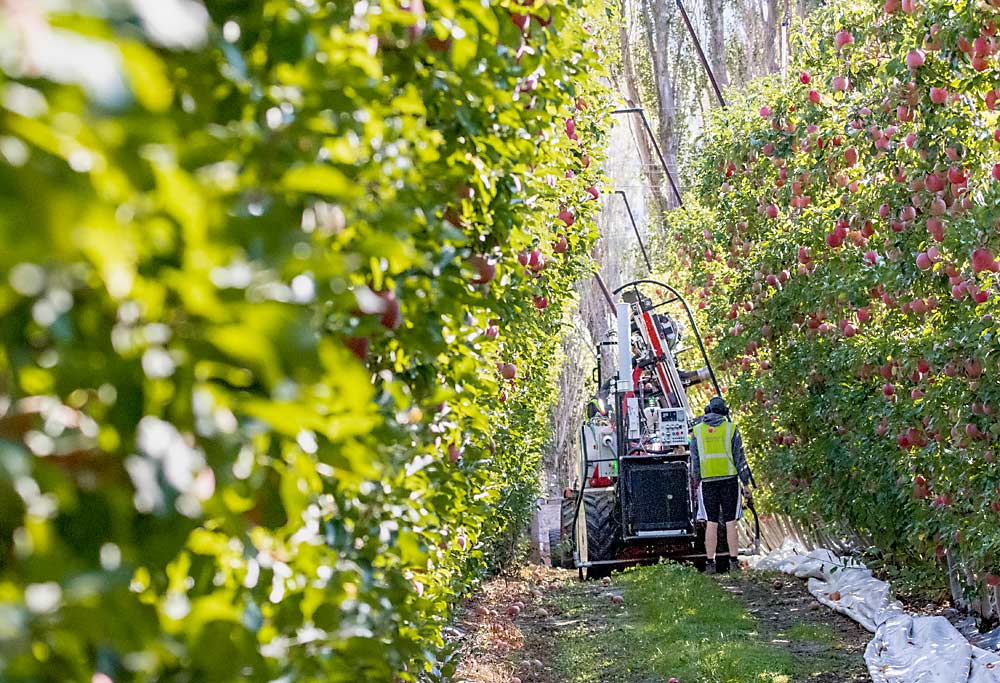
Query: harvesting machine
point(633, 501)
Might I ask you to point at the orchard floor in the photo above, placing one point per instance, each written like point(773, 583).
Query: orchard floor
point(650, 624)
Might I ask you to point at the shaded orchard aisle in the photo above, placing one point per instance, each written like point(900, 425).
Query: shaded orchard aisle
point(650, 624)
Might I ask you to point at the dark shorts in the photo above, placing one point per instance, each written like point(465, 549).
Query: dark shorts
point(721, 498)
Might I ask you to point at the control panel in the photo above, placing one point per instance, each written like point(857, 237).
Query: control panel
point(673, 427)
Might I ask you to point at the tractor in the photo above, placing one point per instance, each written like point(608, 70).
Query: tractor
point(633, 501)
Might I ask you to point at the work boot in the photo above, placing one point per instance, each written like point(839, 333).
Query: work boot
point(710, 567)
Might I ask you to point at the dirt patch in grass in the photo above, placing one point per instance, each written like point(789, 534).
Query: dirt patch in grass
point(827, 646)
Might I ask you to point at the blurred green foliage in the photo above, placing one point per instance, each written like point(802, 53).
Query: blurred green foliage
point(252, 423)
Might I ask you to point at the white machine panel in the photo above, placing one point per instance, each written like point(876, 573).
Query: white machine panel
point(633, 417)
point(673, 428)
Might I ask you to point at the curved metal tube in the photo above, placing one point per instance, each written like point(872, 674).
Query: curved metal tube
point(694, 326)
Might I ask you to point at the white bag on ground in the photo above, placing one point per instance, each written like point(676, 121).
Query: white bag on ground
point(905, 649)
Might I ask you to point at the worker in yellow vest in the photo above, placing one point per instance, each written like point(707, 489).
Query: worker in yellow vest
point(718, 464)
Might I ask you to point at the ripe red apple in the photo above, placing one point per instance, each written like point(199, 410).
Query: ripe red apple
point(567, 217)
point(520, 20)
point(840, 83)
point(982, 259)
point(508, 371)
point(888, 389)
point(996, 172)
point(541, 302)
point(593, 192)
point(492, 332)
point(915, 59)
point(772, 211)
point(485, 269)
point(391, 317)
point(522, 258)
point(924, 261)
point(358, 346)
point(561, 245)
point(973, 368)
point(571, 129)
point(815, 97)
point(804, 78)
point(765, 111)
point(992, 580)
point(939, 95)
point(536, 260)
point(843, 37)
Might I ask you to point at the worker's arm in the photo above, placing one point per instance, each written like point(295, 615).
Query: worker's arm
point(695, 465)
point(740, 458)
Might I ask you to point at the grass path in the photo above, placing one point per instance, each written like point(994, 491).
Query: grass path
point(650, 624)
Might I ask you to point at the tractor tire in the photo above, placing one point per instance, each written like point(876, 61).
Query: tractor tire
point(602, 532)
point(556, 552)
point(562, 541)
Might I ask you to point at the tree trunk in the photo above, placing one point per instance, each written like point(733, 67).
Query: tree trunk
point(717, 41)
point(657, 37)
point(650, 163)
point(771, 23)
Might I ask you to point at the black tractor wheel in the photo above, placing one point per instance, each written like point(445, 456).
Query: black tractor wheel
point(602, 531)
point(556, 551)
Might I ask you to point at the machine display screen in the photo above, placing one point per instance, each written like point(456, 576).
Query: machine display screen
point(673, 429)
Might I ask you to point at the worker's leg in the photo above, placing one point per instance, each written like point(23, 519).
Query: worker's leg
point(732, 537)
point(711, 539)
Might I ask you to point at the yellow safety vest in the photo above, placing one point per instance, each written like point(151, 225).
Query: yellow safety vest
point(715, 450)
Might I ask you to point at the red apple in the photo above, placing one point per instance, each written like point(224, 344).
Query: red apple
point(391, 317)
point(915, 59)
point(485, 269)
point(358, 346)
point(843, 37)
point(982, 259)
